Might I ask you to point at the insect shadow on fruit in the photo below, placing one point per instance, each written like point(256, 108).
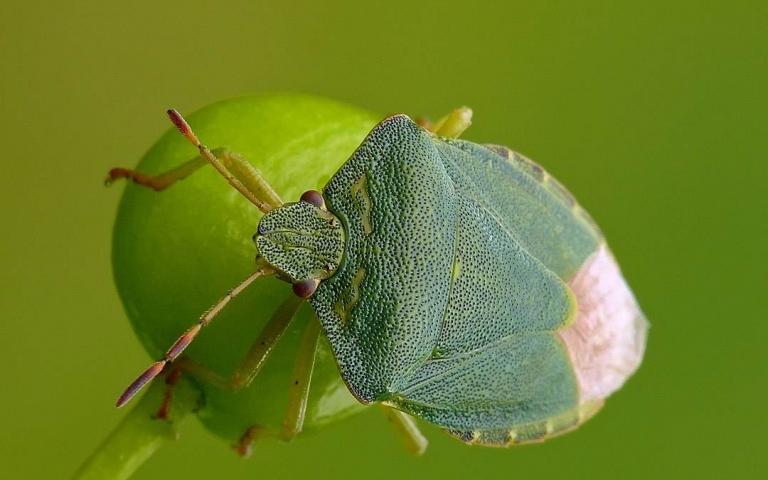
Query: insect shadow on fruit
point(458, 283)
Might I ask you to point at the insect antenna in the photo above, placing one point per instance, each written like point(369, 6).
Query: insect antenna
point(206, 153)
point(184, 340)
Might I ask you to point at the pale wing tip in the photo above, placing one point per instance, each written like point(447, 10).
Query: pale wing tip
point(607, 340)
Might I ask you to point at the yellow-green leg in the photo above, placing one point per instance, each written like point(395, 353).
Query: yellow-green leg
point(254, 360)
point(298, 392)
point(231, 165)
point(158, 182)
point(247, 371)
point(415, 441)
point(453, 124)
point(238, 171)
point(189, 336)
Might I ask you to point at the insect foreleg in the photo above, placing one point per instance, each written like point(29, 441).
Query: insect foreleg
point(157, 182)
point(298, 392)
point(171, 380)
point(245, 178)
point(260, 350)
point(415, 441)
point(188, 337)
point(238, 171)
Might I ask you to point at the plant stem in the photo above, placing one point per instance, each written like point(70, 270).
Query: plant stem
point(141, 433)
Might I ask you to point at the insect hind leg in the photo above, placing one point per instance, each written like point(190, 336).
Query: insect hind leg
point(413, 440)
point(453, 124)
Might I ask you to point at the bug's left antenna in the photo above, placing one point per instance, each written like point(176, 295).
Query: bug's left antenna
point(183, 127)
point(183, 341)
point(206, 153)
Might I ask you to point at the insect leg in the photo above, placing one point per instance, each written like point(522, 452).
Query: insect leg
point(244, 445)
point(251, 365)
point(232, 166)
point(171, 380)
point(183, 341)
point(453, 124)
point(293, 422)
point(415, 441)
point(157, 182)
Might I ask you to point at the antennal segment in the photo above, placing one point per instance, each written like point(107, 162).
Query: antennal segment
point(260, 194)
point(183, 341)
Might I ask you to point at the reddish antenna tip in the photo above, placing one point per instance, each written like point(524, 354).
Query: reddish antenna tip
point(148, 374)
point(183, 342)
point(183, 126)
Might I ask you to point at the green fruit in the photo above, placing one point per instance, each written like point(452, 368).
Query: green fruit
point(177, 252)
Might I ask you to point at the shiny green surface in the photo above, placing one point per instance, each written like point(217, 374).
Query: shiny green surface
point(175, 253)
point(653, 114)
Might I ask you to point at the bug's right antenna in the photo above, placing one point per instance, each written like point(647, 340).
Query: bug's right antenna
point(183, 341)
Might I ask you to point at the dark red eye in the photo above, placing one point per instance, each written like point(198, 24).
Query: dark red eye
point(305, 288)
point(314, 197)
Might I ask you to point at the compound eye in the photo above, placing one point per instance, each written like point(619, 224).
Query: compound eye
point(314, 197)
point(305, 288)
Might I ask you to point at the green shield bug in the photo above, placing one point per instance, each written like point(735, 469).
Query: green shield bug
point(455, 282)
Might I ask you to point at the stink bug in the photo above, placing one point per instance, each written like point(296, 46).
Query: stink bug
point(455, 282)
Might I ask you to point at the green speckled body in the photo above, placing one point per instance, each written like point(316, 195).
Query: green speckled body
point(422, 314)
point(301, 240)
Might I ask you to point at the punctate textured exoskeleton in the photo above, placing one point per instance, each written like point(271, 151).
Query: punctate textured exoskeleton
point(455, 282)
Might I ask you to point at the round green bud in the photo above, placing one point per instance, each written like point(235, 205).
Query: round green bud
point(175, 253)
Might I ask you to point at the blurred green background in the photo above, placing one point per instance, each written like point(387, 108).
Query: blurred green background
point(654, 114)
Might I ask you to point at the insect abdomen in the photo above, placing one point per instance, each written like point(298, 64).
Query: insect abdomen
point(531, 432)
point(549, 182)
point(537, 212)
